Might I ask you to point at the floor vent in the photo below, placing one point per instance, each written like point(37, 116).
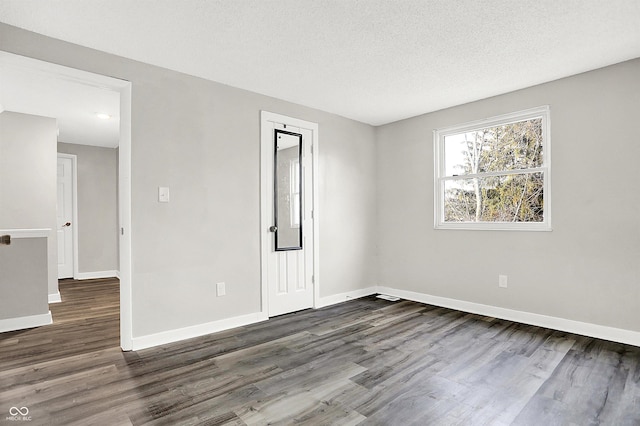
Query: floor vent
point(389, 298)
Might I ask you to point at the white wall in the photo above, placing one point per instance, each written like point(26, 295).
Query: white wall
point(588, 268)
point(202, 139)
point(28, 172)
point(97, 207)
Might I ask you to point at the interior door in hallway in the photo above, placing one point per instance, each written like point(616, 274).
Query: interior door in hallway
point(65, 217)
point(290, 258)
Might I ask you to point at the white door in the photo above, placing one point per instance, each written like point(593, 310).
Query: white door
point(65, 217)
point(289, 237)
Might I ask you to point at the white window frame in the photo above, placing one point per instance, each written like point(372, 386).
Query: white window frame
point(440, 177)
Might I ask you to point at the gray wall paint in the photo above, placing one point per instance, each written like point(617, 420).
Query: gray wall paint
point(586, 269)
point(348, 234)
point(97, 207)
point(202, 139)
point(23, 281)
point(28, 172)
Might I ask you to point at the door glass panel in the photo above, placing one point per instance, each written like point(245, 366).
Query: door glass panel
point(287, 190)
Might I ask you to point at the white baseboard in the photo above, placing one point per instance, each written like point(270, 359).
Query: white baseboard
point(96, 274)
point(20, 323)
point(344, 297)
point(555, 323)
point(176, 335)
point(562, 324)
point(171, 336)
point(118, 274)
point(55, 298)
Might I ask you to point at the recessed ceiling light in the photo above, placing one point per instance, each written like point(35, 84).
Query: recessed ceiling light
point(103, 116)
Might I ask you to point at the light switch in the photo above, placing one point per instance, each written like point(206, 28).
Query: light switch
point(163, 194)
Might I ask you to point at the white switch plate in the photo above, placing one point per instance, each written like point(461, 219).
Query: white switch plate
point(220, 289)
point(163, 194)
point(502, 281)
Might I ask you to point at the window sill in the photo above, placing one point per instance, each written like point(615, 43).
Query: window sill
point(506, 226)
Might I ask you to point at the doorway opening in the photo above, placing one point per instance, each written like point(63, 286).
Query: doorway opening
point(28, 99)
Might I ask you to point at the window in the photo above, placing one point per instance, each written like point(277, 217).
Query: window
point(494, 173)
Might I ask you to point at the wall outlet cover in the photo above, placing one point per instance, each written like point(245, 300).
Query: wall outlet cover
point(221, 289)
point(502, 281)
point(163, 194)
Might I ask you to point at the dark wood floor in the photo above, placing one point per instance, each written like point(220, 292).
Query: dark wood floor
point(367, 361)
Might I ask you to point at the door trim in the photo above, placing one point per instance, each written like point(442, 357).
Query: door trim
point(74, 209)
point(124, 215)
point(266, 156)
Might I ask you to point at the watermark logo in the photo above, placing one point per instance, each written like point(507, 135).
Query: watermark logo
point(18, 414)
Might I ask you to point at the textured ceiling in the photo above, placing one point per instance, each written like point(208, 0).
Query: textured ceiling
point(375, 61)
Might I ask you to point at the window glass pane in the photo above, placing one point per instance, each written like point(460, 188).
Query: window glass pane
point(508, 198)
point(514, 146)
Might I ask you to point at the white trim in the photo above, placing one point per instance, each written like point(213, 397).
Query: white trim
point(20, 323)
point(496, 174)
point(439, 175)
point(511, 117)
point(265, 156)
point(55, 298)
point(27, 233)
point(96, 274)
point(583, 328)
point(176, 335)
point(124, 203)
point(346, 296)
point(586, 329)
point(315, 213)
point(497, 226)
point(74, 208)
point(117, 274)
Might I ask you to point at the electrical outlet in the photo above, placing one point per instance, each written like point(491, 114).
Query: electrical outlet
point(220, 289)
point(502, 281)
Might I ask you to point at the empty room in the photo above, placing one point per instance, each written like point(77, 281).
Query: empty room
point(337, 212)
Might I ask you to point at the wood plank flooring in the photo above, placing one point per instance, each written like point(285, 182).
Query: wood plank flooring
point(367, 361)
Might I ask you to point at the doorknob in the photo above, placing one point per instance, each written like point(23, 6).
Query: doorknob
point(273, 228)
point(66, 224)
